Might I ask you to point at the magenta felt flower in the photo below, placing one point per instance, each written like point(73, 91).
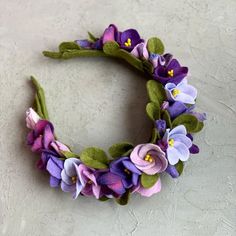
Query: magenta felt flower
point(148, 192)
point(149, 158)
point(41, 136)
point(32, 118)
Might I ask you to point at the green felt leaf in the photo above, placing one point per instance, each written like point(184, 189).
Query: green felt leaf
point(53, 55)
point(66, 46)
point(94, 157)
point(199, 127)
point(124, 199)
point(103, 199)
point(155, 45)
point(92, 38)
point(155, 136)
point(148, 181)
point(148, 67)
point(37, 106)
point(83, 53)
point(189, 121)
point(40, 99)
point(179, 167)
point(119, 149)
point(111, 48)
point(69, 154)
point(153, 111)
point(166, 116)
point(156, 91)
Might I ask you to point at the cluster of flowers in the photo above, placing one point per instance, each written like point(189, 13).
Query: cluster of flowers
point(125, 172)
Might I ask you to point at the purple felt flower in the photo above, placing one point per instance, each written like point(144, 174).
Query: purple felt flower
point(182, 92)
point(111, 184)
point(87, 177)
point(178, 144)
point(160, 126)
point(172, 171)
point(171, 71)
point(59, 147)
point(176, 108)
point(110, 34)
point(124, 168)
point(149, 158)
point(32, 118)
point(50, 160)
point(84, 43)
point(70, 181)
point(148, 192)
point(140, 51)
point(41, 136)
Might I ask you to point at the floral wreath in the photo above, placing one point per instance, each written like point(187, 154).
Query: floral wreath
point(128, 169)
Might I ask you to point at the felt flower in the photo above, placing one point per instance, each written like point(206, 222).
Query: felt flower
point(70, 181)
point(148, 192)
point(59, 147)
point(149, 158)
point(41, 136)
point(110, 34)
point(111, 184)
point(160, 126)
point(32, 118)
point(172, 171)
point(182, 92)
point(128, 172)
point(54, 166)
point(178, 144)
point(176, 108)
point(171, 71)
point(87, 178)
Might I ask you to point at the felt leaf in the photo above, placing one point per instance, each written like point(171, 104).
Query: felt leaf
point(92, 38)
point(68, 154)
point(83, 53)
point(189, 121)
point(53, 55)
point(65, 46)
point(155, 45)
point(156, 91)
point(148, 67)
point(111, 48)
point(147, 181)
point(153, 111)
point(94, 157)
point(166, 116)
point(199, 127)
point(179, 167)
point(120, 149)
point(155, 136)
point(124, 199)
point(103, 199)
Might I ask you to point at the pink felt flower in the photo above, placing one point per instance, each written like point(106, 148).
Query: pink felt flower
point(59, 147)
point(148, 192)
point(32, 118)
point(149, 158)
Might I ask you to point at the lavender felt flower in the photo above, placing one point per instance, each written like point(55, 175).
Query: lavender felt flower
point(149, 158)
point(32, 118)
point(87, 177)
point(171, 71)
point(54, 166)
point(148, 192)
point(178, 144)
point(70, 181)
point(41, 136)
point(124, 168)
point(182, 92)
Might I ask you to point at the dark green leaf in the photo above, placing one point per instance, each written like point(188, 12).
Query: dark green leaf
point(155, 45)
point(199, 127)
point(153, 111)
point(189, 121)
point(92, 38)
point(166, 116)
point(156, 91)
point(94, 157)
point(124, 199)
point(103, 199)
point(53, 55)
point(83, 53)
point(119, 149)
point(155, 136)
point(66, 46)
point(179, 167)
point(148, 181)
point(148, 67)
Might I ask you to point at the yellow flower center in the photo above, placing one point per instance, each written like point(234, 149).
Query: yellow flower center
point(175, 92)
point(171, 73)
point(171, 142)
point(148, 158)
point(126, 171)
point(73, 179)
point(128, 42)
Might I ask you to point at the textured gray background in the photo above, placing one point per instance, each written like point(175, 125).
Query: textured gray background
point(99, 102)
